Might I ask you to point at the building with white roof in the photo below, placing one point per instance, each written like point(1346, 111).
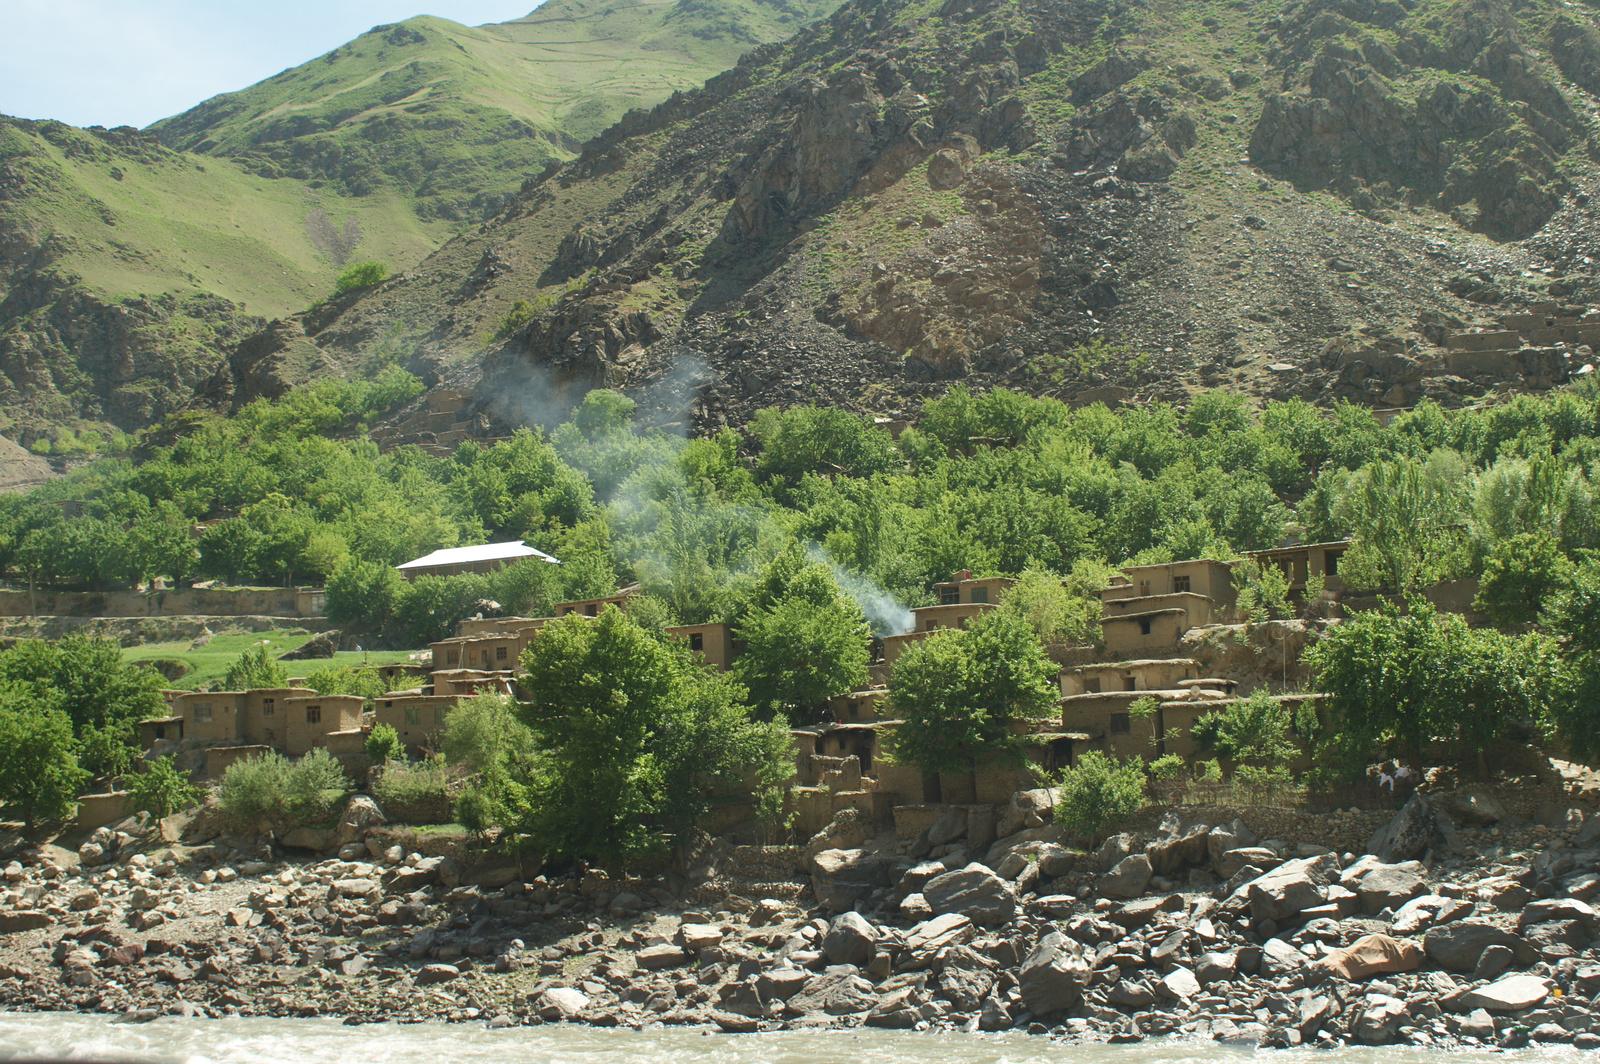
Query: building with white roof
point(484, 558)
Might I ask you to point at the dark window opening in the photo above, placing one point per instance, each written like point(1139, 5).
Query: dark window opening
point(451, 657)
point(499, 653)
point(1330, 564)
point(949, 596)
point(267, 707)
point(697, 641)
point(313, 714)
point(980, 594)
point(1091, 687)
point(1180, 583)
point(1129, 683)
point(1144, 626)
point(1120, 724)
point(592, 611)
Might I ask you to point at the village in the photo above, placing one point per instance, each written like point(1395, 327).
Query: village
point(1158, 626)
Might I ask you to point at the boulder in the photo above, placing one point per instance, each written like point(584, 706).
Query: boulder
point(974, 891)
point(24, 920)
point(1388, 888)
point(1423, 912)
point(1277, 957)
point(1458, 945)
point(1111, 851)
point(1228, 863)
point(837, 992)
point(900, 1010)
point(361, 815)
point(1511, 994)
point(1379, 1020)
point(658, 958)
point(1183, 848)
point(303, 838)
point(1477, 807)
point(1407, 835)
point(1027, 809)
point(1286, 891)
point(1128, 878)
point(697, 937)
point(1217, 968)
point(930, 936)
point(840, 878)
point(1053, 976)
point(432, 974)
point(967, 978)
point(1371, 955)
point(1180, 984)
point(1131, 994)
point(850, 940)
point(561, 1003)
point(1546, 910)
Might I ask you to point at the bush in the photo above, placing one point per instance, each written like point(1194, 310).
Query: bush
point(416, 792)
point(1168, 766)
point(383, 744)
point(255, 668)
point(360, 275)
point(1252, 731)
point(161, 789)
point(340, 680)
point(283, 793)
point(1098, 791)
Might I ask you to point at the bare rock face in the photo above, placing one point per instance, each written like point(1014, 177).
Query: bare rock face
point(974, 891)
point(1407, 836)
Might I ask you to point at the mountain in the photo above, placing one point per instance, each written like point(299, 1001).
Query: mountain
point(454, 118)
point(131, 263)
point(1113, 199)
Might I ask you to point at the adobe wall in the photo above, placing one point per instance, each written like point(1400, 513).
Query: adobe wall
point(98, 810)
point(217, 602)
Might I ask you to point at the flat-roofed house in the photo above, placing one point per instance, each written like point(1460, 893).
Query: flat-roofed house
point(483, 558)
point(712, 643)
point(591, 607)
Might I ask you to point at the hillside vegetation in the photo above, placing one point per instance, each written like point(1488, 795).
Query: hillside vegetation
point(131, 263)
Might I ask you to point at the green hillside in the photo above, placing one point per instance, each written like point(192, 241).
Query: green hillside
point(454, 118)
point(132, 263)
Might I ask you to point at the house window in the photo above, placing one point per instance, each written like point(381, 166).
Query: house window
point(1144, 626)
point(1091, 687)
point(1330, 562)
point(949, 596)
point(697, 641)
point(267, 707)
point(980, 594)
point(313, 714)
point(1120, 725)
point(591, 611)
point(1180, 583)
point(413, 715)
point(202, 712)
point(451, 657)
point(1144, 587)
point(499, 653)
point(438, 714)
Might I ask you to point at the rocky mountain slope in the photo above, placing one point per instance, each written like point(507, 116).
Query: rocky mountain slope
point(1101, 200)
point(131, 263)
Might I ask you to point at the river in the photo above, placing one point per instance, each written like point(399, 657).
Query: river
point(268, 1041)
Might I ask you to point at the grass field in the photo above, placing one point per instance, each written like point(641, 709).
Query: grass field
point(210, 662)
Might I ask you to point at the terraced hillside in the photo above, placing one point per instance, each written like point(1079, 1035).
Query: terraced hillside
point(131, 263)
point(1089, 199)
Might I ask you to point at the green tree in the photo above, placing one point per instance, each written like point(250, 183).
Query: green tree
point(807, 646)
point(255, 667)
point(361, 596)
point(485, 737)
point(1251, 731)
point(343, 680)
point(272, 789)
point(1398, 680)
point(1519, 576)
point(102, 697)
point(1056, 612)
point(383, 744)
point(960, 691)
point(39, 771)
point(161, 790)
point(1097, 792)
point(1263, 591)
point(1406, 523)
point(636, 739)
point(360, 275)
point(1573, 616)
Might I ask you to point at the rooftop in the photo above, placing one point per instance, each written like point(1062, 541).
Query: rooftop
point(483, 552)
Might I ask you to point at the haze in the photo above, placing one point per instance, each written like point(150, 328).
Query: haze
point(113, 63)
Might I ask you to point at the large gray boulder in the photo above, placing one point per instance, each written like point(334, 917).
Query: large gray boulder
point(1388, 888)
point(361, 815)
point(1289, 889)
point(1407, 835)
point(1228, 863)
point(1183, 848)
point(850, 940)
point(1053, 976)
point(1477, 807)
point(840, 878)
point(1128, 878)
point(1458, 945)
point(1027, 809)
point(837, 992)
point(974, 891)
point(1511, 994)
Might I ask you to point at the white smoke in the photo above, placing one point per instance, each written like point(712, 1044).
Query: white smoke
point(885, 614)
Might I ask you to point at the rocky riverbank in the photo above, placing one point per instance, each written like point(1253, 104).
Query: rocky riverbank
point(1441, 936)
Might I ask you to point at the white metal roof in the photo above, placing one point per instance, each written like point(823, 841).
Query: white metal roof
point(483, 552)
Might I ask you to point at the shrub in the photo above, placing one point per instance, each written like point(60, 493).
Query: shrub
point(383, 744)
point(161, 789)
point(1168, 766)
point(416, 792)
point(340, 680)
point(1098, 791)
point(255, 668)
point(360, 275)
point(281, 792)
point(1251, 731)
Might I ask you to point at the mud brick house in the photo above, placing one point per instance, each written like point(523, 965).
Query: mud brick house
point(1151, 606)
point(592, 607)
point(713, 644)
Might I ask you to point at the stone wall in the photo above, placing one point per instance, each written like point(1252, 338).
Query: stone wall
point(97, 810)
